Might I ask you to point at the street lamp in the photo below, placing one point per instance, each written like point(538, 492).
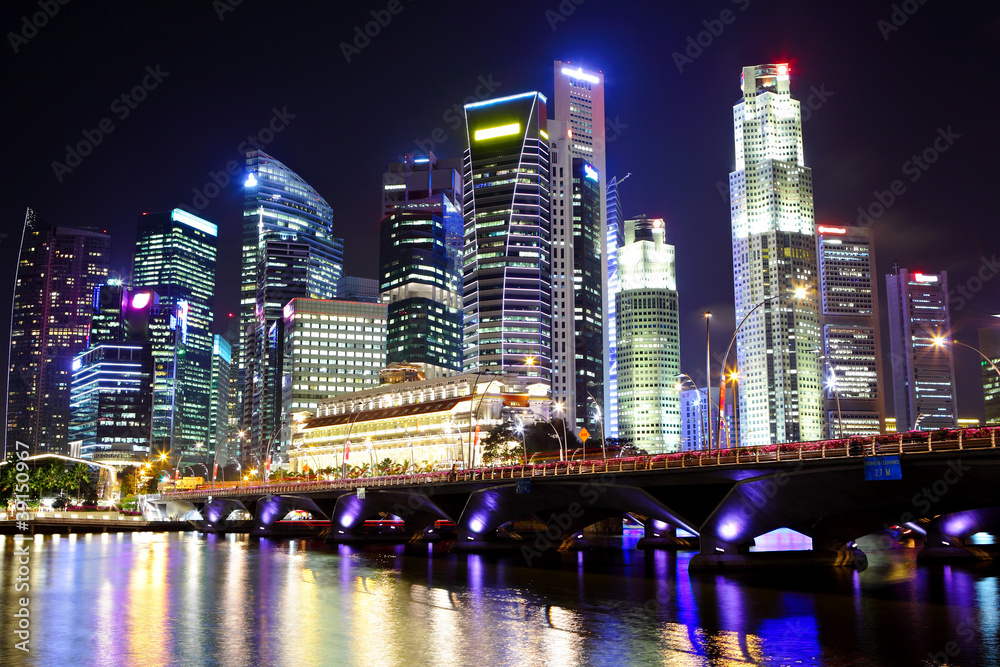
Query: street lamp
point(707, 444)
point(831, 383)
point(942, 342)
point(799, 293)
point(563, 444)
point(708, 372)
point(600, 422)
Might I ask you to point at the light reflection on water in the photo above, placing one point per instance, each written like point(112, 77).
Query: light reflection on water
point(188, 599)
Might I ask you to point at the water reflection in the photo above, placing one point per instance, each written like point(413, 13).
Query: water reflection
point(188, 599)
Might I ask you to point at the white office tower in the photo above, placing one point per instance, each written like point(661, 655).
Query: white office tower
point(579, 103)
point(774, 257)
point(923, 374)
point(648, 339)
point(615, 239)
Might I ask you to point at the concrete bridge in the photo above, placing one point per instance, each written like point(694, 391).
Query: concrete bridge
point(726, 497)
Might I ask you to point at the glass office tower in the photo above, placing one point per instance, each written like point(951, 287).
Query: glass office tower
point(507, 299)
point(175, 258)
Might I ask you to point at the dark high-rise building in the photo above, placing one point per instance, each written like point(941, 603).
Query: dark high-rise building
point(579, 103)
point(112, 395)
point(923, 374)
point(175, 258)
point(507, 300)
point(420, 271)
point(577, 283)
point(57, 272)
point(989, 345)
point(852, 340)
point(354, 288)
point(289, 251)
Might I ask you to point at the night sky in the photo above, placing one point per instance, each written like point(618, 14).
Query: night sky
point(215, 74)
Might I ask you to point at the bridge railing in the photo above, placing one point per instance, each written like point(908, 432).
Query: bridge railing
point(917, 442)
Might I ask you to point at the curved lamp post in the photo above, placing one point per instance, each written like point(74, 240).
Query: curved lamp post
point(942, 342)
point(799, 293)
point(831, 383)
point(472, 401)
point(708, 401)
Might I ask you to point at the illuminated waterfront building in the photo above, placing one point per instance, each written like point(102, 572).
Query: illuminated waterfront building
point(774, 254)
point(330, 347)
point(648, 339)
point(175, 258)
point(57, 271)
point(507, 299)
point(923, 374)
point(420, 263)
point(578, 105)
point(852, 340)
point(577, 312)
point(289, 251)
point(438, 421)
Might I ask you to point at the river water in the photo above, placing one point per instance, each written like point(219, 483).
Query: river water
point(190, 599)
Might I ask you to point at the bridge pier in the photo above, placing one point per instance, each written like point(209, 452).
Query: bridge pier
point(661, 535)
point(718, 554)
point(947, 533)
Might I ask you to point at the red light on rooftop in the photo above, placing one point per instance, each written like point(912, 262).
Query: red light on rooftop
point(831, 230)
point(783, 69)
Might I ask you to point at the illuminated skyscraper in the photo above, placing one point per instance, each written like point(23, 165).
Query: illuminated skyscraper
point(289, 251)
point(774, 254)
point(112, 393)
point(175, 258)
point(218, 409)
point(648, 336)
point(420, 263)
point(989, 344)
point(615, 239)
point(579, 103)
point(923, 375)
point(852, 341)
point(577, 308)
point(57, 272)
point(507, 299)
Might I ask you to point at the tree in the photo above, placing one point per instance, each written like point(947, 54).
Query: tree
point(503, 444)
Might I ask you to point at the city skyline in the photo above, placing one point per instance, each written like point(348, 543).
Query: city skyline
point(810, 65)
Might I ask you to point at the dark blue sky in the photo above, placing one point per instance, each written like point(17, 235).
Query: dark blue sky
point(880, 96)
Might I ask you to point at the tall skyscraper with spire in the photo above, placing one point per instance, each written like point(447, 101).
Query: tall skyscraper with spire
point(507, 299)
point(289, 251)
point(774, 256)
point(579, 104)
point(57, 272)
